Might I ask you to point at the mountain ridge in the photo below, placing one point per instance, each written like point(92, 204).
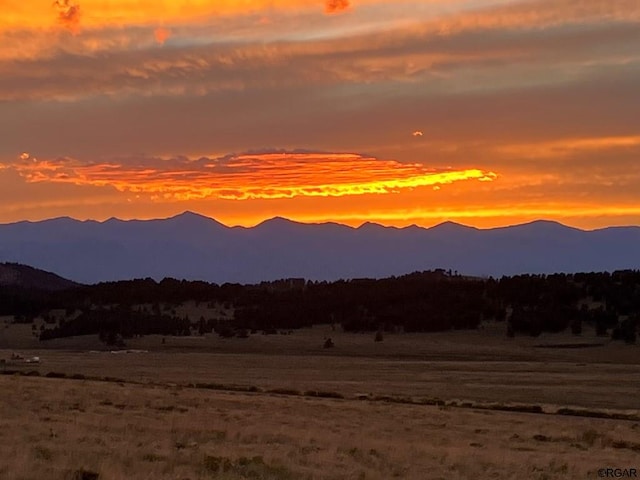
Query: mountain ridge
point(196, 247)
point(189, 214)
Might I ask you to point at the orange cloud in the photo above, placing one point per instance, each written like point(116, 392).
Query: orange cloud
point(68, 14)
point(268, 175)
point(336, 6)
point(33, 14)
point(568, 146)
point(161, 35)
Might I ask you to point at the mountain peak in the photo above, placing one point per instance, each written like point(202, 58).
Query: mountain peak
point(372, 226)
point(278, 222)
point(545, 226)
point(59, 220)
point(546, 222)
point(192, 218)
point(189, 214)
point(450, 227)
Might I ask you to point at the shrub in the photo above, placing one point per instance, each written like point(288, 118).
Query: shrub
point(284, 391)
point(518, 408)
point(510, 331)
point(597, 414)
point(83, 474)
point(590, 436)
point(315, 393)
point(152, 457)
point(626, 445)
point(576, 327)
point(225, 331)
point(215, 464)
point(242, 333)
point(245, 467)
point(43, 453)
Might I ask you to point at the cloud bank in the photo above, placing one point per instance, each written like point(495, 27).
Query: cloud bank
point(266, 175)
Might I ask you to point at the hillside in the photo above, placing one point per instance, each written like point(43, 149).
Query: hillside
point(24, 276)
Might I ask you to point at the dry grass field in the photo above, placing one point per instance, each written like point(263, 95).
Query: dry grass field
point(51, 429)
point(177, 411)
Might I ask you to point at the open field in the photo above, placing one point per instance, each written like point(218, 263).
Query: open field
point(150, 425)
point(51, 428)
point(467, 365)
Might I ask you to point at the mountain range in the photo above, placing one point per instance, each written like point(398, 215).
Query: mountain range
point(194, 247)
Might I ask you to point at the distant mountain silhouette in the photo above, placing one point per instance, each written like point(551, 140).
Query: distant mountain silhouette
point(16, 275)
point(192, 246)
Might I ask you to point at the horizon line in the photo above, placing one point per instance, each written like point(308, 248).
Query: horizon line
point(323, 222)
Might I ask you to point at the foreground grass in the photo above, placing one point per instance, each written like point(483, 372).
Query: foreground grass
point(54, 428)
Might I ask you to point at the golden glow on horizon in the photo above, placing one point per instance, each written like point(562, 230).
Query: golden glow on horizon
point(424, 217)
point(248, 176)
point(577, 215)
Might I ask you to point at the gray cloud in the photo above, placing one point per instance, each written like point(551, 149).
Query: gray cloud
point(501, 47)
point(368, 119)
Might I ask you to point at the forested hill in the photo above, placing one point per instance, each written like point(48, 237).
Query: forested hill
point(24, 276)
point(425, 301)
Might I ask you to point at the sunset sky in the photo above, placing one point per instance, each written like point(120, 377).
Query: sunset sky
point(484, 112)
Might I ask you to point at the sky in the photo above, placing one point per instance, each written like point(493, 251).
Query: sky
point(400, 112)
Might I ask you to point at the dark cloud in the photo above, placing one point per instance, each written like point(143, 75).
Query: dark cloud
point(68, 13)
point(470, 61)
point(336, 6)
point(322, 117)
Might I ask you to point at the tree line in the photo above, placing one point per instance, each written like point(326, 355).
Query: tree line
point(419, 302)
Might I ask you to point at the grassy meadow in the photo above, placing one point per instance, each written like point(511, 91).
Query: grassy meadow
point(54, 428)
point(414, 406)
